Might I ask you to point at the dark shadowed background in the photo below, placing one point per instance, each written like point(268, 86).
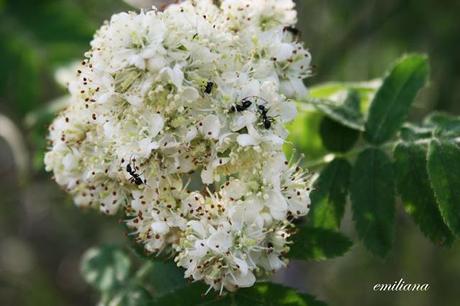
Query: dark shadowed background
point(42, 235)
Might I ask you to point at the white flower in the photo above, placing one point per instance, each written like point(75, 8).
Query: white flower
point(178, 118)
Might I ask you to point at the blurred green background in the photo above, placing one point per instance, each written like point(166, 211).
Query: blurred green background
point(42, 235)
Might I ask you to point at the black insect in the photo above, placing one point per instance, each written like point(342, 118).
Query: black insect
point(208, 88)
point(294, 31)
point(135, 177)
point(245, 104)
point(266, 120)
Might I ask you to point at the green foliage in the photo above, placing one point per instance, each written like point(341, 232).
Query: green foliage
point(430, 197)
point(346, 112)
point(337, 137)
point(59, 27)
point(262, 294)
point(163, 277)
point(392, 101)
point(373, 200)
point(411, 132)
point(303, 134)
point(444, 173)
point(105, 268)
point(311, 243)
point(157, 283)
point(416, 193)
point(128, 295)
point(338, 92)
point(443, 125)
point(330, 195)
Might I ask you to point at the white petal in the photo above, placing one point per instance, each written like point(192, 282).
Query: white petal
point(235, 189)
point(207, 175)
point(191, 133)
point(198, 228)
point(294, 88)
point(175, 75)
point(284, 51)
point(190, 94)
point(134, 100)
point(200, 249)
point(242, 265)
point(160, 227)
point(210, 127)
point(277, 205)
point(156, 124)
point(243, 120)
point(156, 63)
point(245, 280)
point(275, 262)
point(246, 140)
point(69, 162)
point(219, 242)
point(146, 146)
point(288, 111)
point(137, 61)
point(274, 139)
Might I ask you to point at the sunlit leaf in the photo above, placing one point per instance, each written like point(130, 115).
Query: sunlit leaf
point(303, 134)
point(347, 112)
point(338, 91)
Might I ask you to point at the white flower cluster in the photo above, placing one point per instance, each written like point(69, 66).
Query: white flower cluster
point(178, 117)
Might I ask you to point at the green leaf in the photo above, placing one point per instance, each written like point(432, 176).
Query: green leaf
point(261, 294)
point(373, 200)
point(445, 125)
point(330, 195)
point(337, 137)
point(163, 277)
point(392, 101)
point(311, 243)
point(415, 189)
point(129, 295)
point(105, 268)
point(303, 134)
point(444, 173)
point(410, 132)
point(346, 113)
point(335, 91)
